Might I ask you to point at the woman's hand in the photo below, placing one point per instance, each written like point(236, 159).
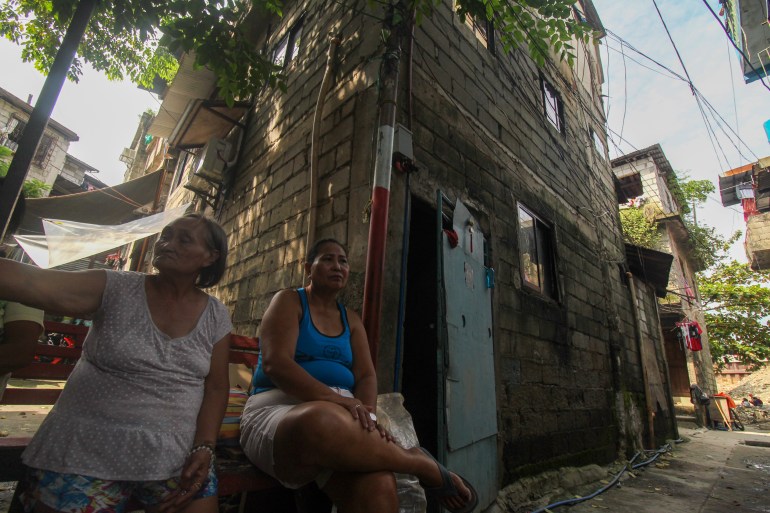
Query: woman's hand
point(194, 475)
point(360, 412)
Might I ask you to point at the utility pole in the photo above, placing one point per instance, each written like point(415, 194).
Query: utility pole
point(38, 120)
point(378, 225)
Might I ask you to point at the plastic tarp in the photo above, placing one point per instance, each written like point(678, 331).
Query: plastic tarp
point(67, 241)
point(112, 205)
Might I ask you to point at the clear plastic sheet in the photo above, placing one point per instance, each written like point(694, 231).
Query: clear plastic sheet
point(67, 241)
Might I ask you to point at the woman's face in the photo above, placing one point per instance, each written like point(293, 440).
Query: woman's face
point(330, 267)
point(182, 247)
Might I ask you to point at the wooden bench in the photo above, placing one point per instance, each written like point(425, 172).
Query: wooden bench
point(236, 475)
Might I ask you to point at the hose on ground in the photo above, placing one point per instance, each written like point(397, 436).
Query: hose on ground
point(569, 502)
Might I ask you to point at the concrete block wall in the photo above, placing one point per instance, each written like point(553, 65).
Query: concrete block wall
point(267, 213)
point(565, 367)
point(481, 135)
point(757, 242)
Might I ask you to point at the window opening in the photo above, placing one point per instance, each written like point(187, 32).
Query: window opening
point(598, 144)
point(44, 151)
point(15, 127)
point(183, 163)
point(287, 48)
point(536, 253)
point(553, 106)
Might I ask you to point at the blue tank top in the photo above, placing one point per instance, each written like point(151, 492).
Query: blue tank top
point(327, 359)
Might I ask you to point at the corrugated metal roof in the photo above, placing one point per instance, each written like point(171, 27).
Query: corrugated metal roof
point(188, 84)
point(654, 151)
point(650, 266)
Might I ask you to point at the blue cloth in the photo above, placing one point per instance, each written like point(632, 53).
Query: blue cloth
point(327, 359)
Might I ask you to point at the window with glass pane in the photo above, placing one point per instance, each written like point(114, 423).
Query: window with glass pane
point(552, 105)
point(536, 253)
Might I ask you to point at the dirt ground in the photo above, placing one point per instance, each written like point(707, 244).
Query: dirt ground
point(758, 384)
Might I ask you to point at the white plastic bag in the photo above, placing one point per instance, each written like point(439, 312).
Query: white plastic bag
point(392, 415)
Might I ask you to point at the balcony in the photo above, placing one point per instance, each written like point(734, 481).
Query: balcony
point(757, 243)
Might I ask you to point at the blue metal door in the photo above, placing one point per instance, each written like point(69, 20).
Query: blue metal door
point(470, 406)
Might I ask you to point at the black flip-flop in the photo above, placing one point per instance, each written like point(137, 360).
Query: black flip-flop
point(448, 488)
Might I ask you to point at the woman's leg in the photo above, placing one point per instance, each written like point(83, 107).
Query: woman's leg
point(355, 492)
point(318, 435)
point(205, 505)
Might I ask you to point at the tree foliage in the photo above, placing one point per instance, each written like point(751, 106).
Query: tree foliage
point(736, 301)
point(734, 298)
point(32, 188)
point(137, 39)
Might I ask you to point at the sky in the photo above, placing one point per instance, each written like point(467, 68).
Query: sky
point(645, 106)
point(104, 114)
point(648, 106)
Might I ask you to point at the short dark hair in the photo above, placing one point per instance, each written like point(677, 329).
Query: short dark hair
point(18, 212)
point(312, 253)
point(216, 239)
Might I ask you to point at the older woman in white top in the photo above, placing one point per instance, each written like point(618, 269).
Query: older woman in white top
point(140, 413)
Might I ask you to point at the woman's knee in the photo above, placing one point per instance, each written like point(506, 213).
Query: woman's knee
point(313, 420)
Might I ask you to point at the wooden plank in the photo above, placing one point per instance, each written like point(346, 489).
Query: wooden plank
point(58, 351)
point(31, 395)
point(44, 371)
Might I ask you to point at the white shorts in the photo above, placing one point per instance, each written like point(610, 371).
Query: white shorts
point(261, 416)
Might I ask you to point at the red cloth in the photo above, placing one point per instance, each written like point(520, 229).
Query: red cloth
point(451, 236)
point(730, 402)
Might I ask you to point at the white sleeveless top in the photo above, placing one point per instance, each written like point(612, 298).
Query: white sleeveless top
point(129, 409)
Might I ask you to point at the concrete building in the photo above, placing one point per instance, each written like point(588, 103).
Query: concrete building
point(749, 186)
point(507, 321)
point(681, 305)
point(51, 163)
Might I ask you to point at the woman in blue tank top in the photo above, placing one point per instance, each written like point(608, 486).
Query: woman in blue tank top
point(312, 415)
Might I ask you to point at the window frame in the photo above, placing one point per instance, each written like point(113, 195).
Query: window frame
point(44, 151)
point(14, 134)
point(549, 92)
point(544, 241)
point(288, 44)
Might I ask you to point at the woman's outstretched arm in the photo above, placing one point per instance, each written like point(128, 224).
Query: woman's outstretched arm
point(61, 292)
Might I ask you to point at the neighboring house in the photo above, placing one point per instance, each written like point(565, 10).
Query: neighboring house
point(749, 186)
point(747, 25)
point(731, 374)
point(50, 160)
point(651, 169)
point(518, 350)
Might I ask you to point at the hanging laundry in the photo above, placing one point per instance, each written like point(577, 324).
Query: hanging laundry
point(688, 333)
point(694, 332)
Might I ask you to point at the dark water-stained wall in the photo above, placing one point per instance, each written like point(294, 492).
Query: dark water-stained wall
point(568, 383)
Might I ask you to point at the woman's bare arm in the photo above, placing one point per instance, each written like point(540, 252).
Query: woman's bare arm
point(62, 292)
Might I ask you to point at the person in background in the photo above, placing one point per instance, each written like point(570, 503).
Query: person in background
point(312, 416)
point(139, 416)
point(746, 403)
point(20, 326)
point(756, 401)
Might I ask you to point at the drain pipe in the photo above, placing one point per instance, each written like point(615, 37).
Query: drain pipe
point(407, 216)
point(378, 224)
point(642, 354)
point(334, 42)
